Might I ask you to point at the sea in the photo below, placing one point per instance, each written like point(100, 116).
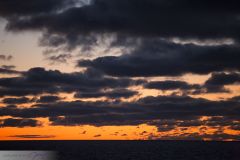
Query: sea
point(129, 150)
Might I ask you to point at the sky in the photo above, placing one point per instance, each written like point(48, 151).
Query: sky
point(119, 70)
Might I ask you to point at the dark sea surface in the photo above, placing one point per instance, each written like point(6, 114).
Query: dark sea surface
point(132, 150)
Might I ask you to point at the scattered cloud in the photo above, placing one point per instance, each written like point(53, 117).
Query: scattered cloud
point(13, 122)
point(32, 136)
point(6, 57)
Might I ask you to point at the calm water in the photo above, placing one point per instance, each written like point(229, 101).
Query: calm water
point(132, 150)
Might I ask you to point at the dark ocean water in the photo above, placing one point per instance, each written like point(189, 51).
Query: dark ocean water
point(132, 150)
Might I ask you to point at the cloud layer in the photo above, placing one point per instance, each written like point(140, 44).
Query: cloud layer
point(161, 58)
point(143, 41)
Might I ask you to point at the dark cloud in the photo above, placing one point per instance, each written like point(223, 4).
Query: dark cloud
point(214, 89)
point(191, 123)
point(48, 99)
point(132, 18)
point(33, 136)
point(8, 67)
point(216, 83)
point(237, 98)
point(16, 100)
point(164, 125)
point(4, 70)
point(118, 93)
point(62, 58)
point(196, 136)
point(38, 81)
point(151, 110)
point(143, 133)
point(98, 135)
point(235, 127)
point(136, 20)
point(12, 122)
point(171, 85)
point(202, 134)
point(222, 79)
point(165, 112)
point(6, 57)
point(186, 88)
point(10, 8)
point(84, 132)
point(161, 58)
